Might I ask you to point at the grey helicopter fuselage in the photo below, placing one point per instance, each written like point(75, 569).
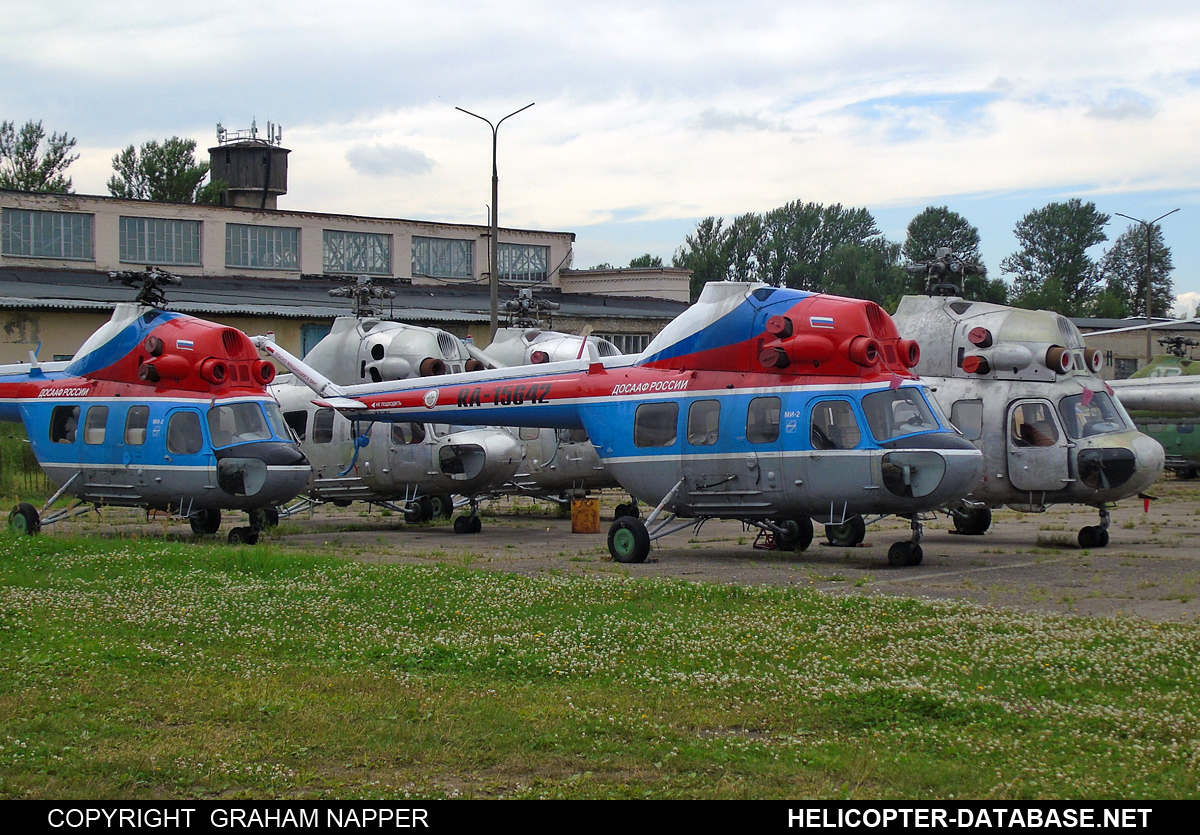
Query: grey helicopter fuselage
point(1021, 385)
point(391, 462)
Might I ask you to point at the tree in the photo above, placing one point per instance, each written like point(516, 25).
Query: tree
point(1052, 270)
point(867, 271)
point(26, 167)
point(704, 253)
point(604, 266)
point(646, 262)
point(167, 172)
point(1124, 271)
point(936, 227)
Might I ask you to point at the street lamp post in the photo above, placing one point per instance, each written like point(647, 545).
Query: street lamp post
point(493, 244)
point(1149, 224)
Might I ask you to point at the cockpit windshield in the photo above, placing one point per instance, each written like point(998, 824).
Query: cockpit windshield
point(1091, 413)
point(236, 423)
point(895, 413)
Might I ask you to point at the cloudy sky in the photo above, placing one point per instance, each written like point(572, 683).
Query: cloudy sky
point(649, 115)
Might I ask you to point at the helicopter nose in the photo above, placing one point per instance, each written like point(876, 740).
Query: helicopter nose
point(1132, 468)
point(267, 471)
point(479, 457)
point(946, 469)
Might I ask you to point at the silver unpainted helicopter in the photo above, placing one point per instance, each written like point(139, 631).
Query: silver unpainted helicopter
point(1022, 386)
point(772, 406)
point(417, 467)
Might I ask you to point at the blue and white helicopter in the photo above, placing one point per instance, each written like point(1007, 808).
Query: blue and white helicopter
point(772, 406)
point(157, 410)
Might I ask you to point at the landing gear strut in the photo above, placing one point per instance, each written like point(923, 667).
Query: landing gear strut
point(1096, 536)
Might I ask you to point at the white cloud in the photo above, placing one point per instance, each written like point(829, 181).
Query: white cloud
point(388, 160)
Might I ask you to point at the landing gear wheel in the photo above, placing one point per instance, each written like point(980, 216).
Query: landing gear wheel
point(630, 509)
point(467, 524)
point(905, 554)
point(263, 518)
point(243, 536)
point(205, 522)
point(1093, 536)
point(441, 506)
point(628, 540)
point(973, 521)
point(24, 519)
point(798, 534)
point(848, 534)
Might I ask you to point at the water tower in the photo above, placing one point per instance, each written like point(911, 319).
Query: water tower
point(253, 166)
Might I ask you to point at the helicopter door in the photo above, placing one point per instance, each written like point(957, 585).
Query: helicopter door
point(407, 449)
point(833, 469)
point(1037, 447)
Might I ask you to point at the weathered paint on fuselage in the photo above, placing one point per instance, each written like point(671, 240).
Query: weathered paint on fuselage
point(1075, 459)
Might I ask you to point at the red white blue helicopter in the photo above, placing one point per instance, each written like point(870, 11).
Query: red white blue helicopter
point(773, 406)
point(157, 410)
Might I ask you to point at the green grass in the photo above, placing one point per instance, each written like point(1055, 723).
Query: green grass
point(145, 669)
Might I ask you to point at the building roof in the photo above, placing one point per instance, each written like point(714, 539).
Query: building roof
point(307, 298)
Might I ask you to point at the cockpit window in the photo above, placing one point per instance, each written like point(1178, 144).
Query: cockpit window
point(1033, 425)
point(895, 413)
point(1095, 417)
point(236, 423)
point(834, 426)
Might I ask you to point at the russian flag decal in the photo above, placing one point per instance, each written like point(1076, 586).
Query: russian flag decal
point(184, 345)
point(820, 321)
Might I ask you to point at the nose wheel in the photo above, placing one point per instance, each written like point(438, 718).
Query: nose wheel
point(1096, 536)
point(907, 554)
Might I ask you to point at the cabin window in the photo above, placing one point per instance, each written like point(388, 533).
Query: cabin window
point(1033, 425)
point(95, 425)
point(762, 420)
point(237, 423)
point(1100, 415)
point(404, 434)
point(573, 436)
point(704, 422)
point(894, 413)
point(298, 423)
point(656, 424)
point(64, 422)
point(184, 435)
point(528, 433)
point(967, 416)
point(834, 426)
point(135, 425)
point(322, 431)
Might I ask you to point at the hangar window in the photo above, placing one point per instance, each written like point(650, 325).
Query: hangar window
point(523, 263)
point(357, 252)
point(64, 235)
point(135, 425)
point(184, 436)
point(64, 422)
point(762, 420)
point(262, 247)
point(704, 422)
point(159, 240)
point(442, 257)
point(95, 426)
point(656, 424)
